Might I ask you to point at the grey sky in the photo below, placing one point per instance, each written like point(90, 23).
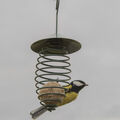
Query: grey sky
point(94, 23)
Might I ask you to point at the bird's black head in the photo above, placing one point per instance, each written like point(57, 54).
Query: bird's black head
point(77, 85)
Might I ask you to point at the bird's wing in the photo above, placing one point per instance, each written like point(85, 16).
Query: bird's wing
point(70, 96)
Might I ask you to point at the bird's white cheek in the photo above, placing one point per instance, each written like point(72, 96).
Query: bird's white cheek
point(76, 83)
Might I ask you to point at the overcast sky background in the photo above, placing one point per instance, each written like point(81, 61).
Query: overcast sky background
point(94, 23)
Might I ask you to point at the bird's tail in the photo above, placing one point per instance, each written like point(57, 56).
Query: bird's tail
point(37, 112)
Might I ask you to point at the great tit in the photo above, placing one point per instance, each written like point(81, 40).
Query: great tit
point(72, 92)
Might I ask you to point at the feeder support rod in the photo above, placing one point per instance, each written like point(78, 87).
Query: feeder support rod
point(57, 9)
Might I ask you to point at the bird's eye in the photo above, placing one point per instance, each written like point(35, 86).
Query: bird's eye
point(77, 83)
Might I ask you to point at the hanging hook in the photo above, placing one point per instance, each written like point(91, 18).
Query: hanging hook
point(57, 4)
point(57, 9)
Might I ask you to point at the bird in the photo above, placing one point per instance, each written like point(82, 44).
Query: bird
point(71, 94)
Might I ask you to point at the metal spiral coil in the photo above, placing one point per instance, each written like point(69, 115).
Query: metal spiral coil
point(52, 69)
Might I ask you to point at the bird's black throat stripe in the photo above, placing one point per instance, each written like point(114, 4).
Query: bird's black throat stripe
point(75, 89)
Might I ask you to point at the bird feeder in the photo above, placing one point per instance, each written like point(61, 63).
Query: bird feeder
point(53, 67)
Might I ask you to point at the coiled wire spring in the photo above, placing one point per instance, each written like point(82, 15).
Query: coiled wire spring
point(52, 67)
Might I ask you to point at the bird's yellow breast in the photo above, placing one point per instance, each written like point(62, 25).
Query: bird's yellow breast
point(70, 96)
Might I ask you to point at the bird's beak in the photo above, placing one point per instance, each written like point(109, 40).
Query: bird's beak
point(86, 84)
